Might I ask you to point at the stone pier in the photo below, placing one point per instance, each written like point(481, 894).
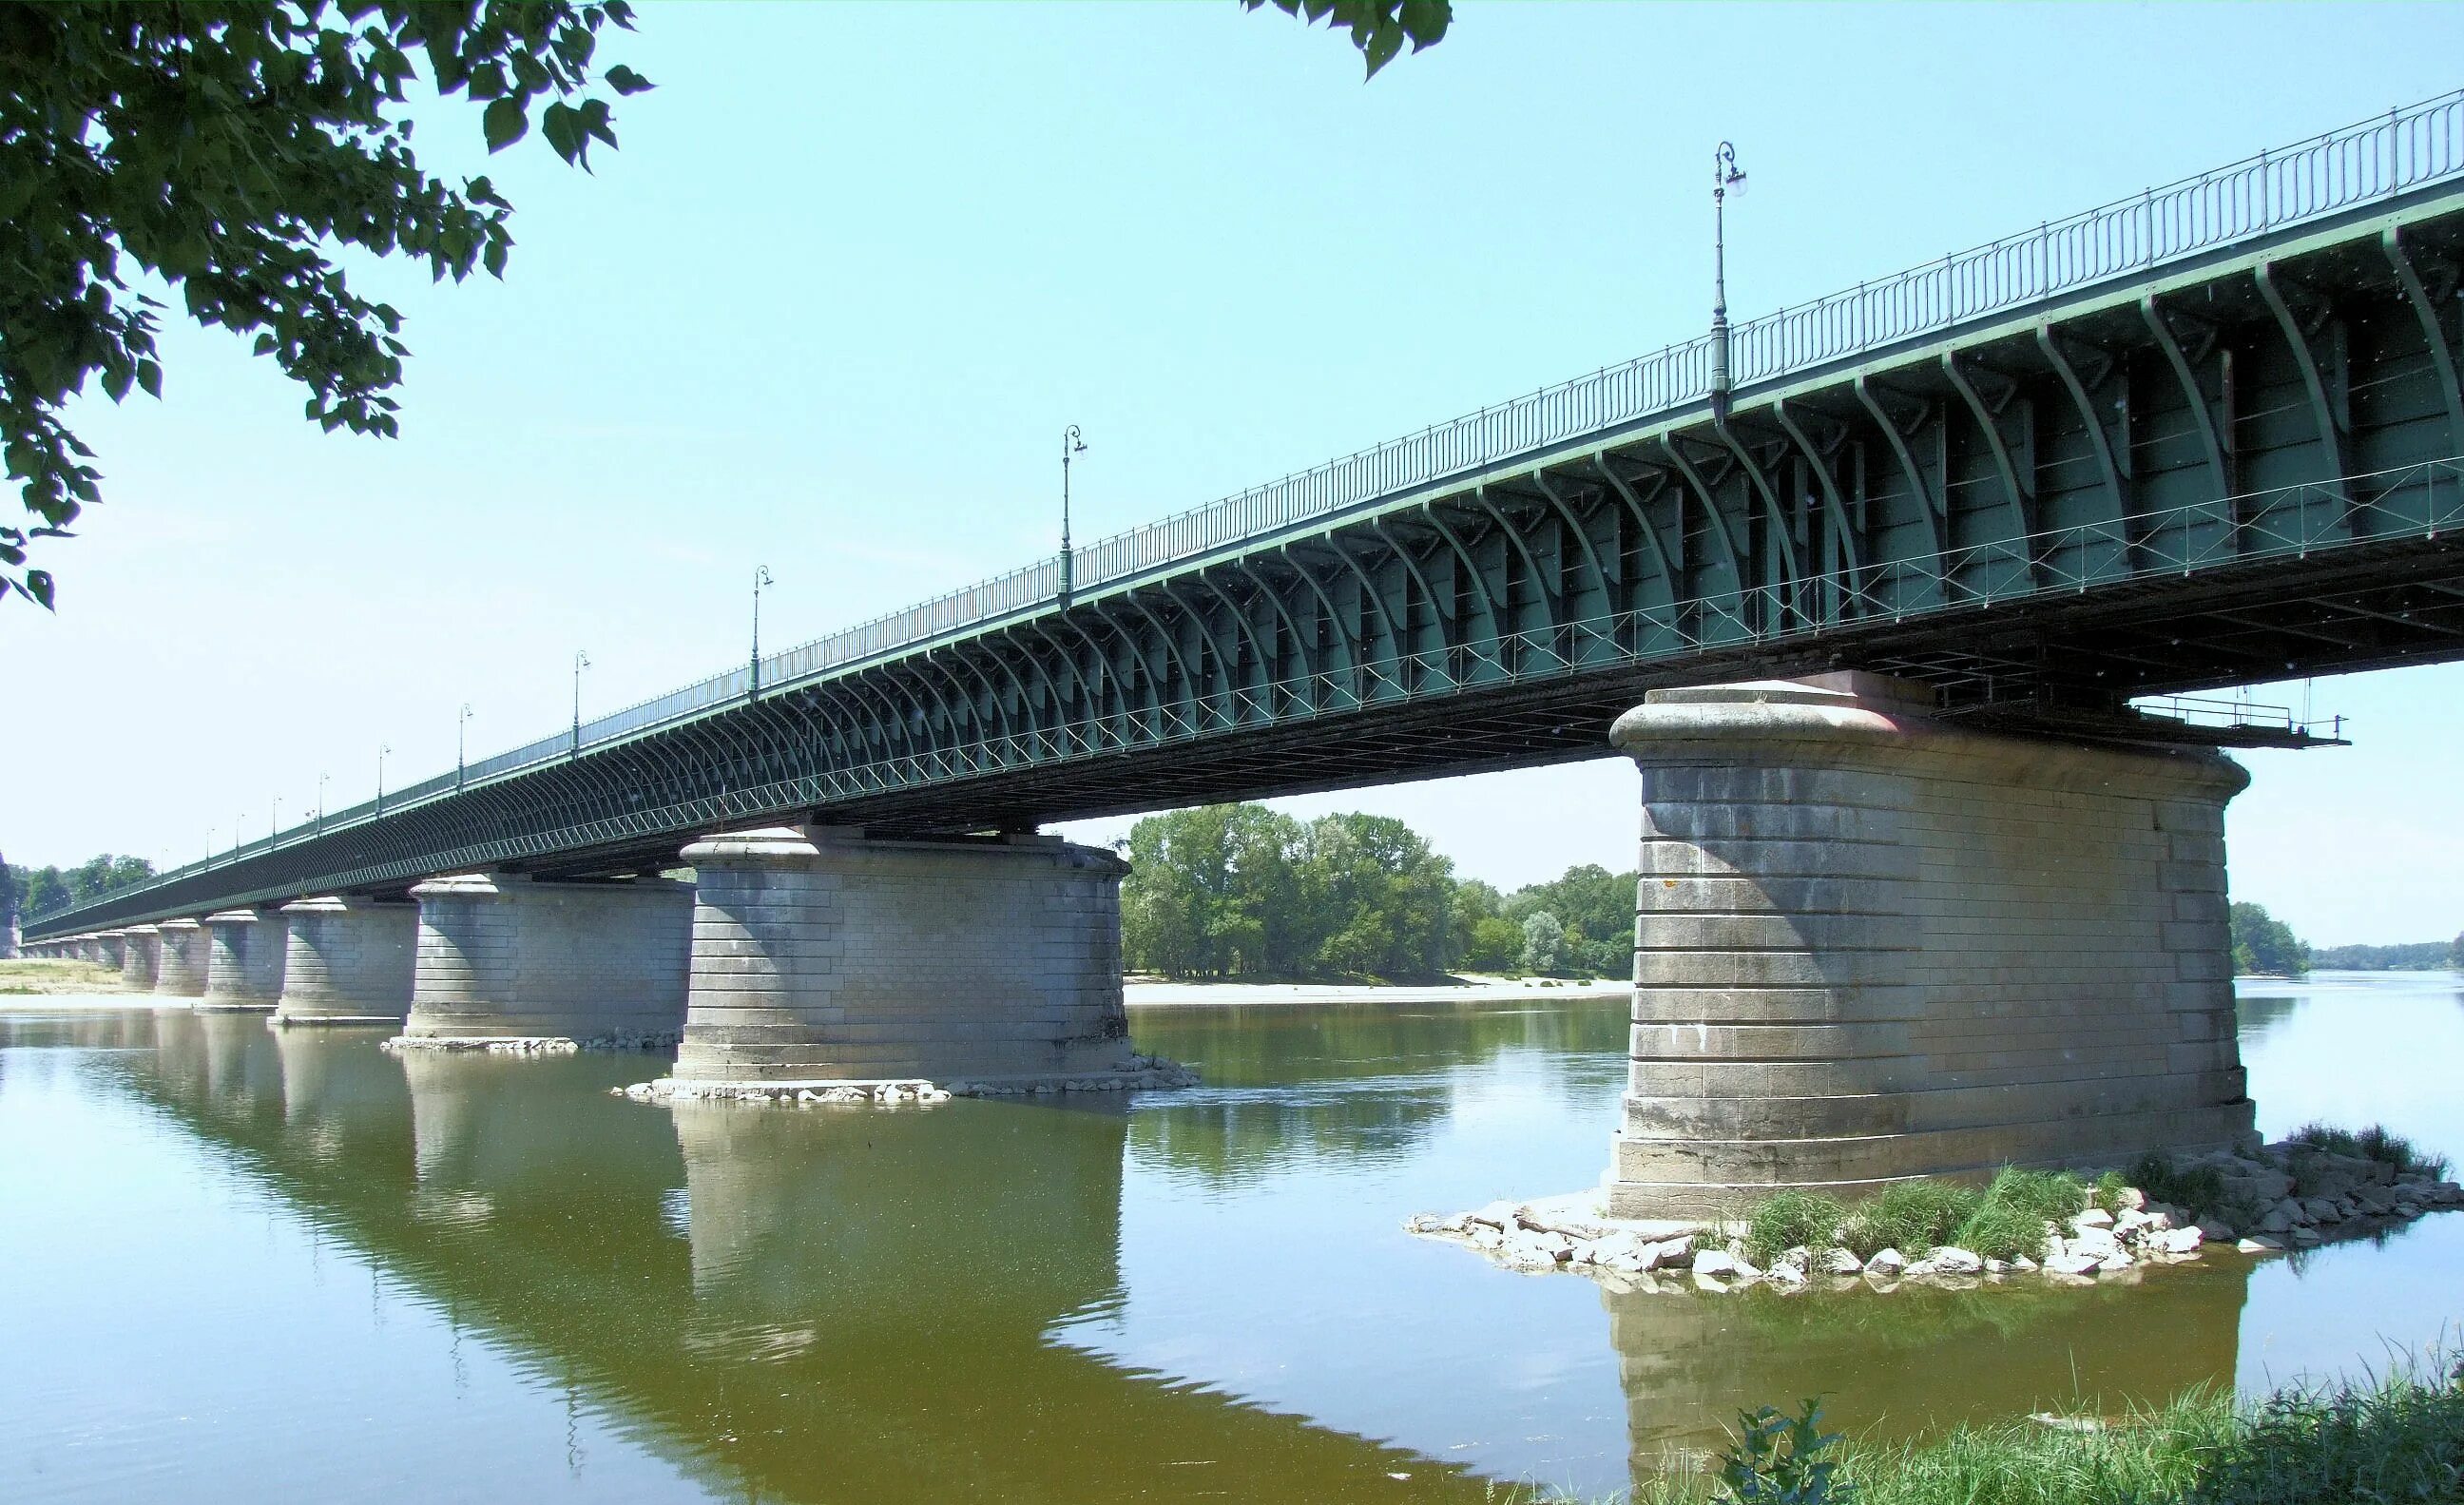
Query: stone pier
point(244, 965)
point(347, 960)
point(1872, 944)
point(180, 965)
point(822, 958)
point(507, 962)
point(107, 948)
point(140, 948)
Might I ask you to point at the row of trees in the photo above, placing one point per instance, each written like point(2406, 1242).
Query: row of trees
point(1233, 891)
point(36, 891)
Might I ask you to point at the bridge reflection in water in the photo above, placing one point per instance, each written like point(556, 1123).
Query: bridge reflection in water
point(813, 1305)
point(857, 1304)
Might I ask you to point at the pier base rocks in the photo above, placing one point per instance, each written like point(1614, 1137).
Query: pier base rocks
point(823, 959)
point(512, 966)
point(140, 948)
point(348, 961)
point(244, 961)
point(1871, 944)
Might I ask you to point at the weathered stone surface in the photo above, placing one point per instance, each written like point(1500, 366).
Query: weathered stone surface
point(1873, 945)
point(502, 958)
point(821, 956)
point(140, 951)
point(180, 965)
point(346, 961)
point(244, 959)
point(1947, 1260)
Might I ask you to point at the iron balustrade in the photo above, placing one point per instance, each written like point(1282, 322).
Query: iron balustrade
point(2374, 160)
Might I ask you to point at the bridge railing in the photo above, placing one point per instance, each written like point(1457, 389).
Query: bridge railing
point(2371, 161)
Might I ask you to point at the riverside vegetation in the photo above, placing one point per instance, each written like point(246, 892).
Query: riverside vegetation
point(2398, 1436)
point(2318, 1183)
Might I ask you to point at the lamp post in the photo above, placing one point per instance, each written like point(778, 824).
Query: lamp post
point(382, 750)
point(1072, 444)
point(460, 745)
point(1724, 177)
point(274, 824)
point(761, 578)
point(320, 803)
point(580, 663)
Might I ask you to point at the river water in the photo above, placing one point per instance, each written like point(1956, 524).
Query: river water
point(238, 1265)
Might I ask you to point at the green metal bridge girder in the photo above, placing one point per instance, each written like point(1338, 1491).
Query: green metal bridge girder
point(2246, 466)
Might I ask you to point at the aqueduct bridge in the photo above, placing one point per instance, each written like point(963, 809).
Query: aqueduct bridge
point(1944, 900)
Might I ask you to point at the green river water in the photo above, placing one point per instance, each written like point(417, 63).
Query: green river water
point(242, 1265)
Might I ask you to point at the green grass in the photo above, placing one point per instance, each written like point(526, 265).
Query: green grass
point(2003, 1220)
point(2399, 1437)
point(1791, 1218)
point(2373, 1143)
point(2199, 1190)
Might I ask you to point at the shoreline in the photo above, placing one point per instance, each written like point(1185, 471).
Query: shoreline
point(1139, 996)
point(1285, 995)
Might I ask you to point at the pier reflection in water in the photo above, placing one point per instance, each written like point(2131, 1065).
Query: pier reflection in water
point(285, 1264)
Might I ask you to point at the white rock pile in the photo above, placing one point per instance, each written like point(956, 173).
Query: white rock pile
point(2284, 1196)
point(1141, 1073)
point(529, 1044)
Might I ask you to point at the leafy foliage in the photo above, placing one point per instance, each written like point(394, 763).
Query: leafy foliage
point(1596, 907)
point(1543, 943)
point(225, 148)
point(1780, 1460)
point(38, 891)
point(1379, 28)
point(2419, 956)
point(2265, 944)
point(1239, 890)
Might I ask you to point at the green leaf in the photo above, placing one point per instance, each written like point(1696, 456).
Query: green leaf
point(38, 585)
point(562, 130)
point(1384, 41)
point(505, 124)
point(624, 81)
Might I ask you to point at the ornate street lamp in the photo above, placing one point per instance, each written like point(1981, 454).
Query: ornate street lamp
point(1725, 176)
point(761, 578)
point(580, 663)
point(1072, 444)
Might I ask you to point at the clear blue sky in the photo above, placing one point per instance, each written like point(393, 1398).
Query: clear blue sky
point(855, 267)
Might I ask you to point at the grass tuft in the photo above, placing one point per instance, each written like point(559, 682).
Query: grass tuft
point(2200, 1190)
point(1788, 1219)
point(2400, 1437)
point(2377, 1143)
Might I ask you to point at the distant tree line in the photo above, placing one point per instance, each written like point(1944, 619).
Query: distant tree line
point(1239, 890)
point(28, 892)
point(2420, 955)
point(2264, 945)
